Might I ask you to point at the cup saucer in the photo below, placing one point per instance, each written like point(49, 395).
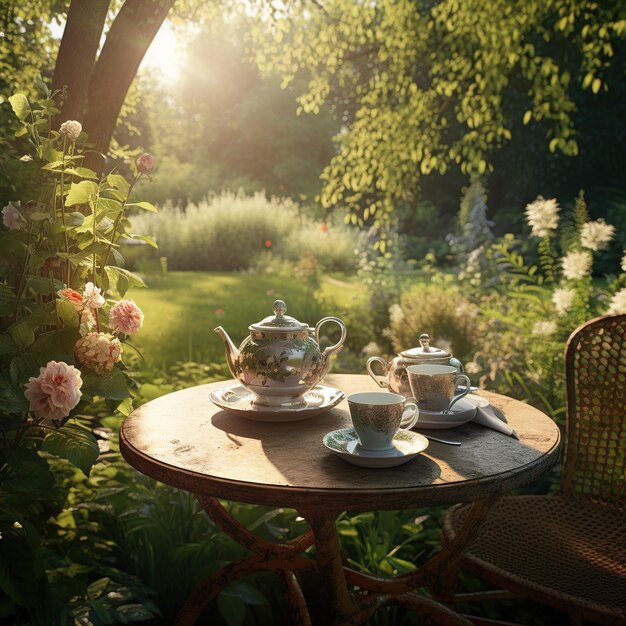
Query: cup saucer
point(463, 411)
point(237, 399)
point(345, 443)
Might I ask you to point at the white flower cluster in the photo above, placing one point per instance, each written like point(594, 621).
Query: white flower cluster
point(547, 327)
point(396, 314)
point(618, 303)
point(372, 349)
point(596, 235)
point(576, 264)
point(624, 262)
point(563, 298)
point(543, 216)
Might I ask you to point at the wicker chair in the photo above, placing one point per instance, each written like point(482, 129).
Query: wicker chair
point(568, 551)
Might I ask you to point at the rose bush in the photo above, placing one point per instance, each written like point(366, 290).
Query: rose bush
point(63, 323)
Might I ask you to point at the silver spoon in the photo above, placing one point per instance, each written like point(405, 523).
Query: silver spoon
point(450, 443)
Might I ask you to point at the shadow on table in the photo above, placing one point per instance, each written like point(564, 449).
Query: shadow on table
point(296, 450)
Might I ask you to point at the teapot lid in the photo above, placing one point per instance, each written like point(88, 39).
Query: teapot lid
point(425, 351)
point(279, 321)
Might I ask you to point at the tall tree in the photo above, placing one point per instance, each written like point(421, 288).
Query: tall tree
point(425, 86)
point(97, 84)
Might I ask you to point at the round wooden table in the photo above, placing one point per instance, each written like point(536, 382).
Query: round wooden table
point(182, 439)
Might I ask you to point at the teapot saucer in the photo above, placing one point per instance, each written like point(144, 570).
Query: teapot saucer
point(345, 444)
point(237, 399)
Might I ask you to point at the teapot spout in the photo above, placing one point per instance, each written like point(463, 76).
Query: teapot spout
point(232, 353)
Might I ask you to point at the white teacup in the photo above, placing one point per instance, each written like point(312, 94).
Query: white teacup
point(434, 387)
point(378, 415)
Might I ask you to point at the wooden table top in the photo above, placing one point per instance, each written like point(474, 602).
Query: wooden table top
point(184, 440)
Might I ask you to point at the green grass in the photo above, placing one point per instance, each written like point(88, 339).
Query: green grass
point(182, 308)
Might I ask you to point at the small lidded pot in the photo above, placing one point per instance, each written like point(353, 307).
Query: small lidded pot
point(281, 359)
point(393, 375)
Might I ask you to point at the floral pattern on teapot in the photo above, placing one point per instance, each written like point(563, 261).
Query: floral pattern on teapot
point(281, 358)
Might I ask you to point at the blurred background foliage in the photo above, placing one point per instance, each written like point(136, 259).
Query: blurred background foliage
point(224, 124)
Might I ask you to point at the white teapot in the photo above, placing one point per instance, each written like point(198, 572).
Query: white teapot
point(281, 359)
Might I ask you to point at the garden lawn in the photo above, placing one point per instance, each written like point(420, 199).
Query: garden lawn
point(182, 308)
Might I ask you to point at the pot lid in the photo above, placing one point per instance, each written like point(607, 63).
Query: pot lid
point(425, 351)
point(279, 321)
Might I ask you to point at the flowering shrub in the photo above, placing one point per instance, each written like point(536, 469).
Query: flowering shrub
point(63, 324)
point(62, 274)
point(528, 313)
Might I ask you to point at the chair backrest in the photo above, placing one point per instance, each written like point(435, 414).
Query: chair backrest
point(595, 374)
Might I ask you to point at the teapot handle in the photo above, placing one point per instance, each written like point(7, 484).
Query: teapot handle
point(344, 332)
point(381, 380)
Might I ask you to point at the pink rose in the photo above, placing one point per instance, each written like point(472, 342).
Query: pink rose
point(145, 163)
point(71, 129)
point(10, 217)
point(55, 392)
point(125, 317)
point(98, 351)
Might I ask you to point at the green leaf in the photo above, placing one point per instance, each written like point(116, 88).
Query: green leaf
point(146, 206)
point(41, 285)
point(23, 367)
point(22, 335)
point(53, 166)
point(400, 565)
point(118, 181)
point(21, 108)
point(112, 385)
point(84, 172)
point(74, 443)
point(247, 593)
point(232, 609)
point(97, 588)
point(57, 345)
point(7, 345)
point(149, 240)
point(75, 219)
point(67, 313)
point(25, 473)
point(81, 193)
point(109, 207)
point(125, 406)
point(134, 612)
point(123, 278)
point(38, 216)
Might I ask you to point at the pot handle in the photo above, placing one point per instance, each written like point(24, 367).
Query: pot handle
point(380, 379)
point(344, 332)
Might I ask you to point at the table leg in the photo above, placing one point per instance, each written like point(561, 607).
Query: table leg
point(330, 562)
point(298, 610)
point(448, 560)
point(349, 607)
point(267, 556)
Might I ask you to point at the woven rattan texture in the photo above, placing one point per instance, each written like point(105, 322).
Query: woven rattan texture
point(595, 368)
point(566, 548)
